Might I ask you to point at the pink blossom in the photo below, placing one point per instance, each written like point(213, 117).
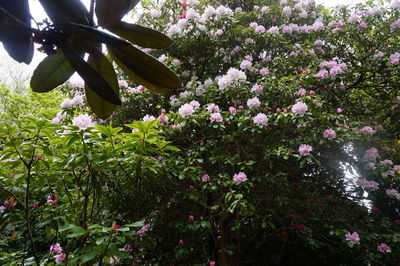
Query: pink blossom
point(369, 166)
point(367, 129)
point(195, 104)
point(393, 193)
point(299, 108)
point(257, 88)
point(386, 163)
point(245, 64)
point(260, 29)
point(287, 11)
point(52, 199)
point(395, 4)
point(216, 117)
point(163, 118)
point(254, 102)
point(2, 209)
point(212, 263)
point(339, 110)
point(322, 74)
point(371, 154)
point(366, 184)
point(260, 119)
point(395, 58)
point(232, 110)
point(264, 71)
point(213, 107)
point(265, 9)
point(205, 178)
point(305, 149)
point(239, 177)
point(83, 121)
point(353, 238)
point(186, 110)
point(60, 257)
point(330, 134)
point(55, 248)
point(382, 247)
point(148, 118)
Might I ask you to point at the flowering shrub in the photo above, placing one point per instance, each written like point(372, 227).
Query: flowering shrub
point(287, 129)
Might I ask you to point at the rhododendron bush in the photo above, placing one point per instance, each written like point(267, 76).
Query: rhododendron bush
point(284, 147)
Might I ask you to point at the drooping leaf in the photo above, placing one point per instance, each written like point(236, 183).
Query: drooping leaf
point(92, 33)
point(53, 71)
point(99, 106)
point(110, 12)
point(144, 68)
point(18, 44)
point(66, 11)
point(140, 35)
point(89, 75)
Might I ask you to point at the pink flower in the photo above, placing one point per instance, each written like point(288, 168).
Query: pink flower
point(382, 247)
point(322, 73)
point(55, 248)
point(186, 110)
point(195, 104)
point(239, 177)
point(181, 242)
point(264, 71)
point(216, 117)
point(353, 238)
point(299, 108)
point(163, 118)
point(213, 107)
point(395, 58)
point(369, 166)
point(305, 149)
point(371, 154)
point(60, 257)
point(260, 119)
point(148, 118)
point(212, 263)
point(254, 102)
point(191, 219)
point(330, 134)
point(393, 193)
point(83, 121)
point(232, 110)
point(245, 64)
point(205, 178)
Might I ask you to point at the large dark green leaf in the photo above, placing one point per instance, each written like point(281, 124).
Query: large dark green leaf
point(99, 106)
point(18, 44)
point(92, 33)
point(142, 36)
point(144, 68)
point(89, 75)
point(53, 71)
point(66, 11)
point(110, 12)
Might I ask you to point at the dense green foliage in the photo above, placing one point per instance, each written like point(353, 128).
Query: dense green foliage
point(281, 149)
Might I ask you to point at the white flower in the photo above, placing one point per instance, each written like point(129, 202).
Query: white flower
point(186, 110)
point(299, 108)
point(83, 121)
point(260, 119)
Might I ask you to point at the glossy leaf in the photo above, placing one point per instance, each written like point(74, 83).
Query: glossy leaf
point(66, 11)
point(53, 71)
point(142, 36)
point(92, 33)
point(144, 68)
point(99, 106)
point(18, 44)
point(110, 12)
point(98, 84)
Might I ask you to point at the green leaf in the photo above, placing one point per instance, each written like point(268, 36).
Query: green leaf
point(89, 256)
point(90, 76)
point(136, 224)
point(142, 36)
point(18, 43)
point(66, 11)
point(110, 12)
point(92, 33)
point(144, 68)
point(99, 106)
point(53, 71)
